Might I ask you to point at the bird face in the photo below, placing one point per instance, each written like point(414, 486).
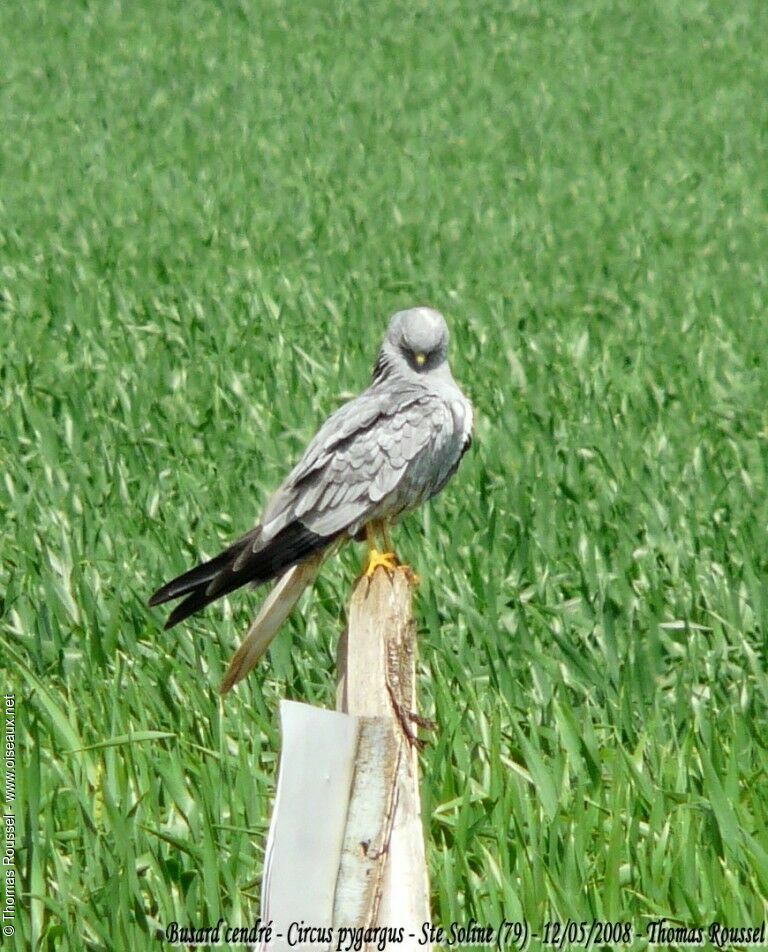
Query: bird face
point(420, 337)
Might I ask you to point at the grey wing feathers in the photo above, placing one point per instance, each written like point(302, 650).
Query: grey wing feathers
point(379, 455)
point(383, 457)
point(327, 489)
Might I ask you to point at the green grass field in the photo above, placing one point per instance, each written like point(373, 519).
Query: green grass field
point(208, 212)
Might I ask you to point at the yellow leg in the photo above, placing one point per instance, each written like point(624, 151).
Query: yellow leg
point(385, 536)
point(387, 560)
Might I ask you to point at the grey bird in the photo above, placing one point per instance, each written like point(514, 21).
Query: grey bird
point(381, 455)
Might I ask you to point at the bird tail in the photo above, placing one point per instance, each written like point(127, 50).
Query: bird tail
point(276, 608)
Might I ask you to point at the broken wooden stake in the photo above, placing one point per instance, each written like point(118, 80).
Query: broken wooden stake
point(356, 779)
point(377, 678)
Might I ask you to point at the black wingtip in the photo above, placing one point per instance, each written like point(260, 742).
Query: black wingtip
point(201, 574)
point(209, 581)
point(192, 603)
point(168, 592)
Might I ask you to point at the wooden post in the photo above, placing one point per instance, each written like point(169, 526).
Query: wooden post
point(346, 847)
point(385, 880)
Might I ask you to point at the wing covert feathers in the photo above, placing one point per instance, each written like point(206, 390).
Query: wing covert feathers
point(378, 456)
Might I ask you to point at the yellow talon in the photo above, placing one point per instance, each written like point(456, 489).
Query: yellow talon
point(376, 559)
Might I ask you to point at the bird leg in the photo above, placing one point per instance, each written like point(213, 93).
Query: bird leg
point(384, 529)
point(387, 559)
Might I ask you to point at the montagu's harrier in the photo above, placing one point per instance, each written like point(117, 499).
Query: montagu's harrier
point(377, 457)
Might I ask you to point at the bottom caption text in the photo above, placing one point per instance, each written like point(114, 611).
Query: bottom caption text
point(508, 934)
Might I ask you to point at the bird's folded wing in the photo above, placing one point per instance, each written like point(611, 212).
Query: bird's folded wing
point(399, 448)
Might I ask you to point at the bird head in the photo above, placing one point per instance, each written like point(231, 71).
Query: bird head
point(416, 339)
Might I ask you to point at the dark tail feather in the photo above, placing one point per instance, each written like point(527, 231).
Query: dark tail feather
point(238, 566)
point(193, 579)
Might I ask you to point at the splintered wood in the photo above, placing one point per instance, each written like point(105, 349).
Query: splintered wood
point(383, 872)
